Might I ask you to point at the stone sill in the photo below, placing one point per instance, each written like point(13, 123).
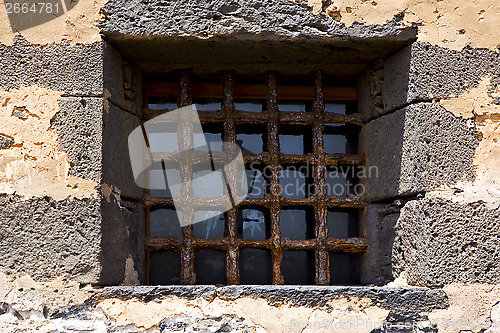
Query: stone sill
point(392, 298)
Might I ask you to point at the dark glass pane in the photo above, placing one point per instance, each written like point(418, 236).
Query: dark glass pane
point(294, 106)
point(252, 139)
point(296, 181)
point(250, 105)
point(211, 138)
point(210, 228)
point(341, 181)
point(210, 266)
point(256, 180)
point(208, 183)
point(344, 269)
point(162, 137)
point(164, 267)
point(163, 222)
point(297, 223)
point(297, 267)
point(256, 266)
point(342, 224)
point(295, 139)
point(161, 176)
point(162, 103)
point(340, 138)
point(253, 224)
point(207, 104)
point(335, 107)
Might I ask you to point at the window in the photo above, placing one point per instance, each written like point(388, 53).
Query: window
point(299, 223)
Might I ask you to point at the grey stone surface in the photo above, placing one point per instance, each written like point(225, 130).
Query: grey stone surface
point(79, 127)
point(282, 35)
point(216, 17)
point(394, 299)
point(417, 149)
point(370, 83)
point(5, 142)
point(117, 168)
point(445, 242)
point(410, 299)
point(422, 72)
point(378, 221)
point(113, 74)
point(74, 70)
point(149, 293)
point(122, 233)
point(46, 239)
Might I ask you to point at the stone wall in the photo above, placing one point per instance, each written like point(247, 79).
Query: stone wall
point(428, 74)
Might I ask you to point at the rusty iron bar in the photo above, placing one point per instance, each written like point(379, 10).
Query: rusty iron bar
point(275, 166)
point(347, 245)
point(322, 265)
point(185, 139)
point(232, 254)
point(330, 201)
point(223, 158)
point(287, 118)
point(274, 202)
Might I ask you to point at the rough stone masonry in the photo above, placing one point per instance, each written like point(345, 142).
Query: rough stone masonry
point(72, 223)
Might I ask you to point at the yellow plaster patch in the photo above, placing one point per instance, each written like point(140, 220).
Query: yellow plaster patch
point(24, 294)
point(77, 25)
point(357, 315)
point(451, 23)
point(131, 275)
point(34, 166)
point(470, 308)
point(147, 315)
point(478, 104)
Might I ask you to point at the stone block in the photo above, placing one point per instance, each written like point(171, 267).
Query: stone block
point(46, 239)
point(422, 72)
point(79, 127)
point(117, 168)
point(378, 221)
point(72, 69)
point(445, 242)
point(417, 149)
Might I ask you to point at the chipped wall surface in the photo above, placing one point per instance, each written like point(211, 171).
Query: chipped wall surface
point(481, 105)
point(26, 305)
point(77, 25)
point(451, 23)
point(33, 165)
point(60, 140)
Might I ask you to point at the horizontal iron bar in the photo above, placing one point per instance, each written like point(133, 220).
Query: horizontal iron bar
point(348, 245)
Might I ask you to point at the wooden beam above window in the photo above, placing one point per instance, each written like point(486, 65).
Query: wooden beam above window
point(252, 91)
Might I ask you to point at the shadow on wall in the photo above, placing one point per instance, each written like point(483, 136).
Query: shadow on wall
point(416, 145)
point(123, 215)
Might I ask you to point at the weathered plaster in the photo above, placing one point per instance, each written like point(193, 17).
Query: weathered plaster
point(470, 309)
point(23, 294)
point(78, 25)
point(451, 23)
point(479, 104)
point(341, 314)
point(33, 165)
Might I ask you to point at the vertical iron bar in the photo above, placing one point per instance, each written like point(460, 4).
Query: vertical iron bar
point(320, 209)
point(185, 139)
point(232, 254)
point(274, 165)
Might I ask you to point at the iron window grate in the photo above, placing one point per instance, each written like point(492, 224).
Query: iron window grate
point(273, 158)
